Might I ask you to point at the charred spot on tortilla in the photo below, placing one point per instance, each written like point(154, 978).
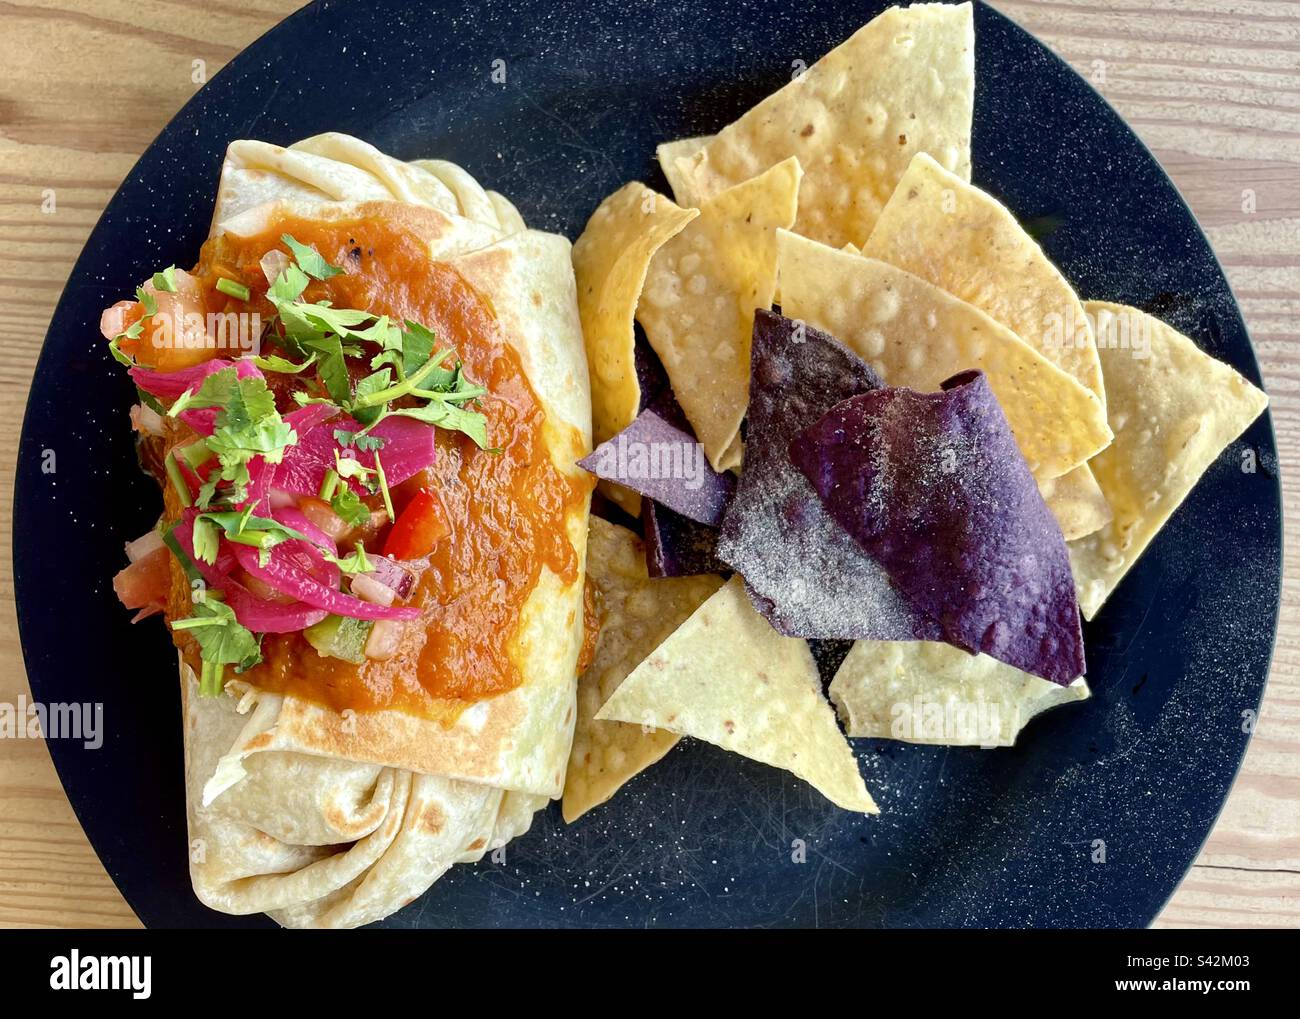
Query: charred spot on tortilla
point(802, 571)
point(933, 487)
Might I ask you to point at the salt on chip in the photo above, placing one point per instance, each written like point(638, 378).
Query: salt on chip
point(699, 301)
point(949, 232)
point(668, 154)
point(1077, 502)
point(610, 261)
point(805, 573)
point(637, 614)
point(903, 83)
point(928, 692)
point(933, 488)
point(725, 676)
point(1174, 409)
point(915, 334)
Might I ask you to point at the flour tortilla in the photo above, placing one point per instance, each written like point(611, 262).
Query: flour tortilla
point(336, 167)
point(916, 335)
point(329, 819)
point(903, 83)
point(727, 677)
point(1174, 411)
point(699, 301)
point(637, 612)
point(928, 692)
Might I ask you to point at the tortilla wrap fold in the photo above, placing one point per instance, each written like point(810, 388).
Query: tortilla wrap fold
point(336, 819)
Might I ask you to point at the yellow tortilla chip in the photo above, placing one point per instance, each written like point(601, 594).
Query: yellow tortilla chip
point(610, 260)
point(637, 612)
point(699, 299)
point(939, 227)
point(725, 676)
point(1174, 409)
point(917, 335)
point(668, 155)
point(926, 692)
point(1077, 502)
point(903, 83)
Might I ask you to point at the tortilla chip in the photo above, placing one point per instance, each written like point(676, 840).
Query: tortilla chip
point(657, 458)
point(677, 546)
point(927, 692)
point(1077, 502)
point(610, 260)
point(915, 334)
point(637, 614)
point(903, 83)
point(1174, 411)
point(804, 572)
point(939, 227)
point(699, 299)
point(933, 487)
point(725, 676)
point(668, 155)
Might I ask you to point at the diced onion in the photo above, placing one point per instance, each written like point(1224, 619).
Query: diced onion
point(148, 542)
point(384, 640)
point(273, 263)
point(368, 589)
point(146, 420)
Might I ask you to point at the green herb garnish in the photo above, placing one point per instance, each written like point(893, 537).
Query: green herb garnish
point(309, 259)
point(232, 289)
point(247, 425)
point(222, 641)
point(348, 505)
point(165, 281)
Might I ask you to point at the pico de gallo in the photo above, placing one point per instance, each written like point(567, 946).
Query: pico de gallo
point(337, 522)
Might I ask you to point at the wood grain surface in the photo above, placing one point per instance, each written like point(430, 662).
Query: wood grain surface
point(1213, 86)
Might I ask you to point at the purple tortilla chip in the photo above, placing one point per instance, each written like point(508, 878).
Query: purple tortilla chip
point(676, 546)
point(803, 571)
point(664, 463)
point(933, 486)
point(651, 378)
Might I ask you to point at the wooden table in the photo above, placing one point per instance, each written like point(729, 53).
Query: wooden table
point(1213, 88)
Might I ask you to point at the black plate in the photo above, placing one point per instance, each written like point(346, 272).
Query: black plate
point(967, 837)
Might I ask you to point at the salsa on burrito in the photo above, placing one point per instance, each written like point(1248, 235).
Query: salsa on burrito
point(495, 516)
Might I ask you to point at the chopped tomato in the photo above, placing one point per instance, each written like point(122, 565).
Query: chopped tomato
point(319, 513)
point(146, 582)
point(176, 336)
point(419, 527)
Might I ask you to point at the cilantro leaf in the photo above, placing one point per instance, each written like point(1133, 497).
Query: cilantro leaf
point(450, 417)
point(165, 281)
point(222, 641)
point(309, 259)
point(348, 505)
point(148, 300)
point(274, 363)
point(355, 563)
point(360, 440)
point(247, 425)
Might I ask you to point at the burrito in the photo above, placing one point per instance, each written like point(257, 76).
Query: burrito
point(364, 405)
